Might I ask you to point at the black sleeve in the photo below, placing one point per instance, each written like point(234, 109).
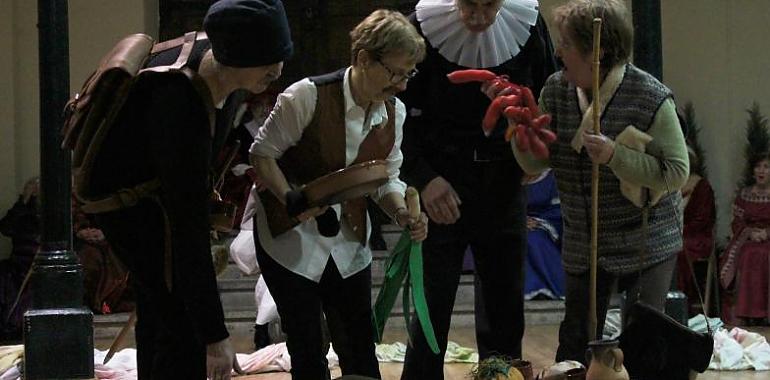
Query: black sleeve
point(181, 149)
point(415, 169)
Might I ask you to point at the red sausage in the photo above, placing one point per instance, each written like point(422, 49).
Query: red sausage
point(541, 121)
point(520, 114)
point(495, 110)
point(490, 118)
point(522, 140)
point(514, 113)
point(509, 101)
point(546, 135)
point(539, 149)
point(529, 100)
point(526, 113)
point(466, 76)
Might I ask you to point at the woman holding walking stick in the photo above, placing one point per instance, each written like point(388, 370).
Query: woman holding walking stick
point(642, 162)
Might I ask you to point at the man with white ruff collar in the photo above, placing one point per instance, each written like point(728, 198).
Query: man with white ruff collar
point(470, 185)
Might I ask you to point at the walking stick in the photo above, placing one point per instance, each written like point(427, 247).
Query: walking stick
point(20, 293)
point(592, 318)
point(120, 338)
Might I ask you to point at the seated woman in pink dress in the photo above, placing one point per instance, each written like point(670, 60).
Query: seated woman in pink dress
point(745, 265)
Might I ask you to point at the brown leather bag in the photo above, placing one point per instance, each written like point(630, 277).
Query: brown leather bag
point(106, 280)
point(91, 113)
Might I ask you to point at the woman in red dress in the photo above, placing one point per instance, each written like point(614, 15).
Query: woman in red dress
point(745, 265)
point(699, 218)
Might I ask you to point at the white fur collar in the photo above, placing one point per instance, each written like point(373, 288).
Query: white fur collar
point(441, 25)
point(607, 89)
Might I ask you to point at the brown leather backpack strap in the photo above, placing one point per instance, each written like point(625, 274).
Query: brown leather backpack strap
point(188, 42)
point(184, 54)
point(122, 198)
point(170, 44)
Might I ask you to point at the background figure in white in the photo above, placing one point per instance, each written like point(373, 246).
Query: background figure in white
point(243, 254)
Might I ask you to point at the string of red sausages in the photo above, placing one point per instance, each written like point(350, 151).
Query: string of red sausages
point(527, 126)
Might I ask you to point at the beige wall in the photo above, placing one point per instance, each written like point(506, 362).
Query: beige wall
point(94, 27)
point(18, 102)
point(716, 54)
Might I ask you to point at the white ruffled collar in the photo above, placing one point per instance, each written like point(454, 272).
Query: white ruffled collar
point(441, 25)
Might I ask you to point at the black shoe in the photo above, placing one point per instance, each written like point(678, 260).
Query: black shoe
point(261, 337)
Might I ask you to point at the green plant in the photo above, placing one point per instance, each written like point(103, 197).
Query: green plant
point(693, 131)
point(494, 368)
point(758, 140)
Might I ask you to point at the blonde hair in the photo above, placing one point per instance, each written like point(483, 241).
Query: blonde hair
point(383, 32)
point(617, 40)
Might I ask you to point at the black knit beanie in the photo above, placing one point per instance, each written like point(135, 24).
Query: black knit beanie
point(248, 33)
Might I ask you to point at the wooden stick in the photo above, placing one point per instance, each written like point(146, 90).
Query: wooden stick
point(592, 318)
point(413, 202)
point(21, 291)
point(120, 338)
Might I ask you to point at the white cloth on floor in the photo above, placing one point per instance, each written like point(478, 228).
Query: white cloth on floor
point(739, 349)
point(275, 357)
point(612, 324)
point(122, 365)
point(10, 356)
point(698, 324)
point(395, 352)
point(12, 373)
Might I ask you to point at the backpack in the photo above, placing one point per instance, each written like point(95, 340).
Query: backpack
point(89, 115)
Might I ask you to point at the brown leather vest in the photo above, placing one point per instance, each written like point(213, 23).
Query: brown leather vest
point(321, 151)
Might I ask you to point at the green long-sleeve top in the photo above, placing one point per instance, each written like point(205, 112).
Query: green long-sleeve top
point(628, 97)
point(641, 168)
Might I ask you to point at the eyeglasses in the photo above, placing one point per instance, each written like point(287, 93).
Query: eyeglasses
point(396, 78)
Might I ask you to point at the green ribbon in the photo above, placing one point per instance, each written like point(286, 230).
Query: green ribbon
point(404, 266)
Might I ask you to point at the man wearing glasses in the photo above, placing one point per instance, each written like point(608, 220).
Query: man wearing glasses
point(323, 263)
point(470, 185)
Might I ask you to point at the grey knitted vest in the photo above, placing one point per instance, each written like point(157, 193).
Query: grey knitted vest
point(635, 102)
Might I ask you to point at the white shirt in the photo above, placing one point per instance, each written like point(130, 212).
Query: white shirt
point(302, 249)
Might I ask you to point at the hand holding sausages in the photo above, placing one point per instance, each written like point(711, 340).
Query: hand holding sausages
point(517, 103)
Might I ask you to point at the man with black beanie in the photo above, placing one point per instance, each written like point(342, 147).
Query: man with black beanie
point(164, 137)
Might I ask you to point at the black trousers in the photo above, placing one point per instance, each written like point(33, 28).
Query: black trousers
point(347, 306)
point(167, 347)
point(492, 224)
point(651, 288)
